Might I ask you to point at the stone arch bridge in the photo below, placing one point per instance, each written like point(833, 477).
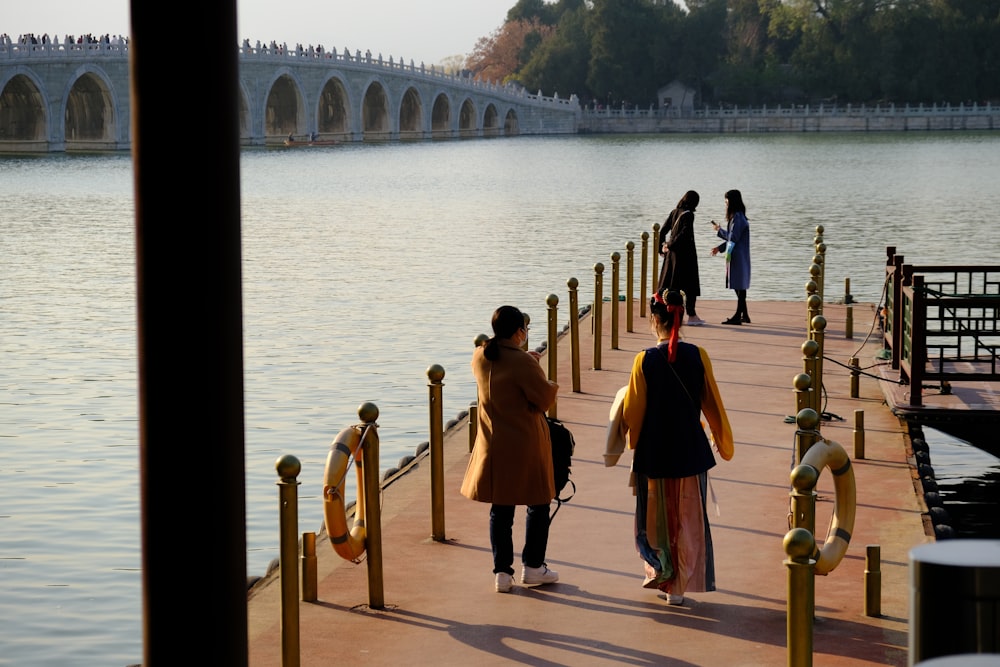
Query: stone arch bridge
point(75, 97)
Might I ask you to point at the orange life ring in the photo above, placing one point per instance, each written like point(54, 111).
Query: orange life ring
point(349, 544)
point(829, 454)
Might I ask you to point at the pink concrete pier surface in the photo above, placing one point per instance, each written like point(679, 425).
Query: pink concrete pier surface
point(440, 607)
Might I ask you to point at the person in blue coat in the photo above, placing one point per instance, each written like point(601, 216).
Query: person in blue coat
point(736, 245)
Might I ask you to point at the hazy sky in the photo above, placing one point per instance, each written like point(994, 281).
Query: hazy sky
point(420, 31)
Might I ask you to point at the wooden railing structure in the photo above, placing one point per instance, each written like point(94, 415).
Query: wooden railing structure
point(942, 323)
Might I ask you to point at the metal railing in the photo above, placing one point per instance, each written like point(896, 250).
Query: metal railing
point(941, 323)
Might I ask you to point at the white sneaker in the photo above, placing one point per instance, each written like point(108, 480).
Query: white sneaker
point(505, 582)
point(539, 575)
point(675, 599)
point(695, 322)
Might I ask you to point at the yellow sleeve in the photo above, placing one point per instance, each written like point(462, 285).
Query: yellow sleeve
point(715, 411)
point(634, 407)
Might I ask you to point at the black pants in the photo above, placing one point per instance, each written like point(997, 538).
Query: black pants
point(536, 537)
point(741, 305)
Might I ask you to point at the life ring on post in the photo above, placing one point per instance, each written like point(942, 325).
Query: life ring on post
point(349, 544)
point(829, 454)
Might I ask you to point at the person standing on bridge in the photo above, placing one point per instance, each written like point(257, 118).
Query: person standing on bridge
point(511, 460)
point(736, 245)
point(680, 258)
point(670, 387)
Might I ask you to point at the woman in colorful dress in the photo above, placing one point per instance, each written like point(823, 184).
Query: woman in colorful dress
point(671, 386)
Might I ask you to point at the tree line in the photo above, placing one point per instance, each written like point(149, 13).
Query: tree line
point(749, 52)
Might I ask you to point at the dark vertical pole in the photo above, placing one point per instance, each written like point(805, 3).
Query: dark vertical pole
point(190, 338)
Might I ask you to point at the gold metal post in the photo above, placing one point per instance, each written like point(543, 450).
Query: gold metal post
point(799, 545)
point(629, 282)
point(436, 374)
point(655, 244)
point(873, 580)
point(810, 349)
point(309, 567)
point(596, 318)
point(288, 468)
point(818, 327)
point(368, 412)
point(642, 274)
point(807, 434)
point(855, 365)
point(849, 323)
point(574, 330)
point(615, 257)
point(859, 434)
point(552, 301)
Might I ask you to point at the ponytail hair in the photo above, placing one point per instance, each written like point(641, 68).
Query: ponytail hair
point(667, 309)
point(507, 321)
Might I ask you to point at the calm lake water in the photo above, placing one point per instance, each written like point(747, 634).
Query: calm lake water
point(363, 266)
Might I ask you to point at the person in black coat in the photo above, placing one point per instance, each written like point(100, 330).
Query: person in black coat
point(680, 258)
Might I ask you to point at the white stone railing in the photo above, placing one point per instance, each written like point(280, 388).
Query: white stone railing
point(798, 111)
point(118, 46)
point(298, 54)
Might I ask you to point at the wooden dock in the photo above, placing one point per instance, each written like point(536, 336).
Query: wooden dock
point(440, 607)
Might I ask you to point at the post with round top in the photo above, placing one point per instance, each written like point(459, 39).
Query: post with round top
point(596, 320)
point(288, 468)
point(552, 301)
point(642, 274)
point(821, 253)
point(655, 254)
point(799, 546)
point(436, 374)
point(801, 383)
point(368, 412)
point(810, 349)
point(814, 306)
point(803, 497)
point(615, 261)
point(816, 271)
point(807, 433)
point(818, 327)
point(574, 331)
point(629, 284)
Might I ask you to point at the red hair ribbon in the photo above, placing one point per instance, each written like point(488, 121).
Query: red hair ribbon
point(677, 312)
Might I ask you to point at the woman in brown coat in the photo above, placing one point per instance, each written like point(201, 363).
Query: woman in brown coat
point(511, 461)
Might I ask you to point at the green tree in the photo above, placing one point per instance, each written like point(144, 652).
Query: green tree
point(623, 35)
point(560, 63)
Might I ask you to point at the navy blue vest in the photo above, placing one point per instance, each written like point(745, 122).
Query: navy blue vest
point(673, 442)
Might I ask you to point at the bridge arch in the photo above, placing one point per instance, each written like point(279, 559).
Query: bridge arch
point(510, 125)
point(246, 117)
point(411, 115)
point(333, 120)
point(491, 121)
point(467, 119)
point(376, 125)
point(284, 109)
point(24, 108)
point(441, 121)
point(91, 111)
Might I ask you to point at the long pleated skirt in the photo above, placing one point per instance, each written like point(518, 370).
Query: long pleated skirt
point(673, 535)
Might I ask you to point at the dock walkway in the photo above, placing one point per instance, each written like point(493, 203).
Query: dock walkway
point(440, 604)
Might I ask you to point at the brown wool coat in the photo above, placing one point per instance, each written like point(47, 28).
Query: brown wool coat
point(511, 461)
